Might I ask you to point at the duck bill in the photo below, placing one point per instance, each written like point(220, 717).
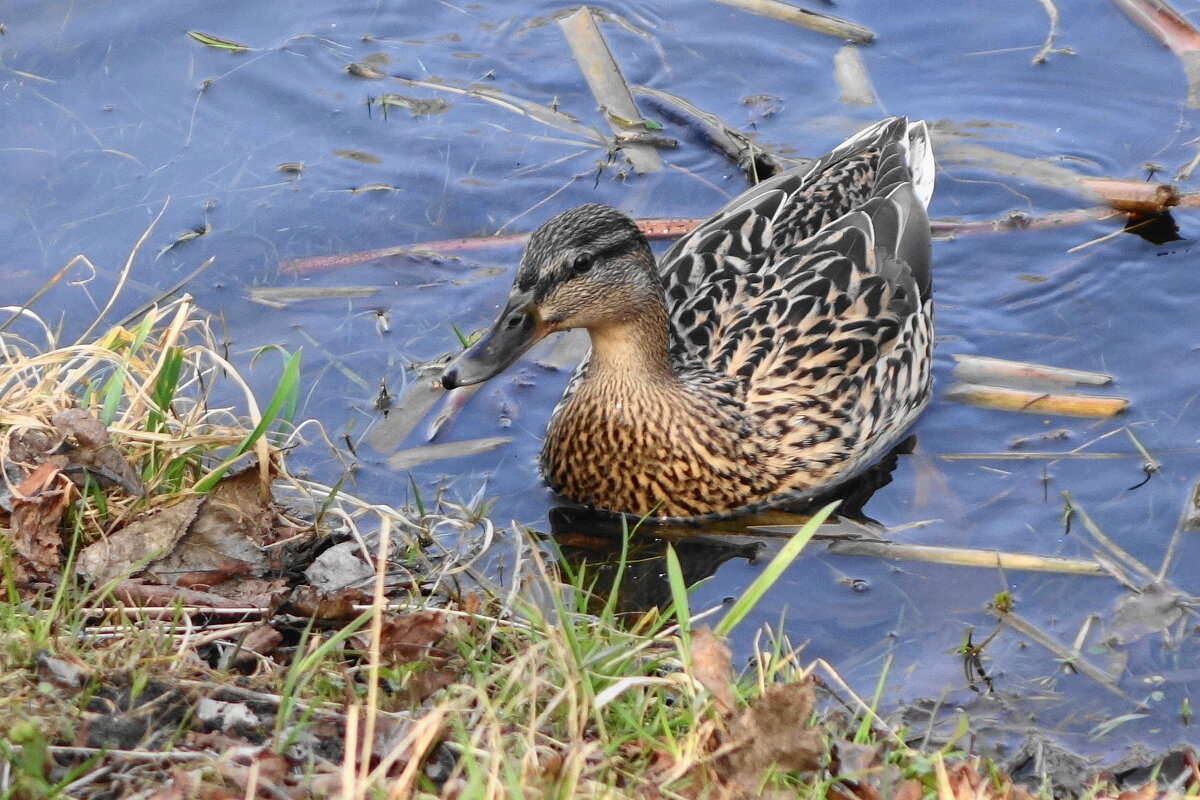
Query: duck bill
point(516, 330)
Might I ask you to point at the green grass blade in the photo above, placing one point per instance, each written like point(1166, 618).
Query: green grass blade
point(113, 391)
point(773, 571)
point(165, 386)
point(289, 383)
point(679, 596)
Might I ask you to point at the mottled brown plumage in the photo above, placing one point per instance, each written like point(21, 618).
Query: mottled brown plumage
point(770, 354)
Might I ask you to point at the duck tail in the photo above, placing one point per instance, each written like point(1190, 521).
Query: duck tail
point(919, 154)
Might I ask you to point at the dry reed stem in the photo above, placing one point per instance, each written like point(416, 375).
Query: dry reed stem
point(1067, 405)
point(607, 85)
point(1022, 374)
point(821, 23)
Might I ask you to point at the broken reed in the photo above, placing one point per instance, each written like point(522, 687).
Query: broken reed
point(151, 386)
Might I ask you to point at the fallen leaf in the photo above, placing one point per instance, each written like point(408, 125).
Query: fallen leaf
point(711, 666)
point(361, 69)
point(94, 453)
point(181, 786)
point(1152, 610)
point(341, 567)
point(217, 42)
point(360, 156)
point(307, 601)
point(261, 639)
point(225, 538)
point(38, 508)
point(854, 759)
point(909, 789)
point(146, 538)
point(428, 678)
point(29, 447)
point(774, 732)
point(1148, 791)
point(269, 769)
point(409, 637)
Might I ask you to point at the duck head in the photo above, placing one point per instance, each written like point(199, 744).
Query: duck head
point(589, 267)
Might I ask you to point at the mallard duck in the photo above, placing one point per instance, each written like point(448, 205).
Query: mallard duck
point(771, 354)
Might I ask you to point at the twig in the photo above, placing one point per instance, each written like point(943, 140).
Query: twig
point(1174, 32)
point(607, 85)
point(1067, 405)
point(756, 163)
point(967, 557)
point(1026, 455)
point(1020, 221)
point(1114, 549)
point(821, 23)
point(1021, 374)
point(1134, 197)
point(654, 229)
point(547, 116)
point(1030, 631)
point(1048, 47)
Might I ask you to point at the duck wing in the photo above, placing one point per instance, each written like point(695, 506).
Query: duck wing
point(820, 263)
point(807, 300)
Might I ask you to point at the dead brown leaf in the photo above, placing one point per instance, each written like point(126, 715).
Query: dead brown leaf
point(94, 452)
point(409, 637)
point(67, 676)
point(29, 447)
point(430, 677)
point(308, 601)
point(38, 505)
point(224, 539)
point(272, 768)
point(774, 732)
point(1148, 791)
point(181, 786)
point(146, 538)
point(261, 639)
point(712, 667)
point(909, 789)
point(854, 759)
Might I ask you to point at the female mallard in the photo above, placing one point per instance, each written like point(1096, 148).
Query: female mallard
point(772, 353)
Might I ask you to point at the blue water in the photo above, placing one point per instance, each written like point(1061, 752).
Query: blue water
point(110, 115)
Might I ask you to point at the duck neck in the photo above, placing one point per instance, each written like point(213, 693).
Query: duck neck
point(634, 348)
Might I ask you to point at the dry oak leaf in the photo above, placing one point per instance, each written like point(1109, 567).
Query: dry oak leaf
point(774, 733)
point(95, 453)
point(224, 539)
point(711, 666)
point(38, 506)
point(148, 537)
point(409, 637)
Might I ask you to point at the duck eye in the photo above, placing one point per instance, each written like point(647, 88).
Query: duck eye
point(582, 262)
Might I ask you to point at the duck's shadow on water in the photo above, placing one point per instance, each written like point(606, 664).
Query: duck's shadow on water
point(594, 543)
